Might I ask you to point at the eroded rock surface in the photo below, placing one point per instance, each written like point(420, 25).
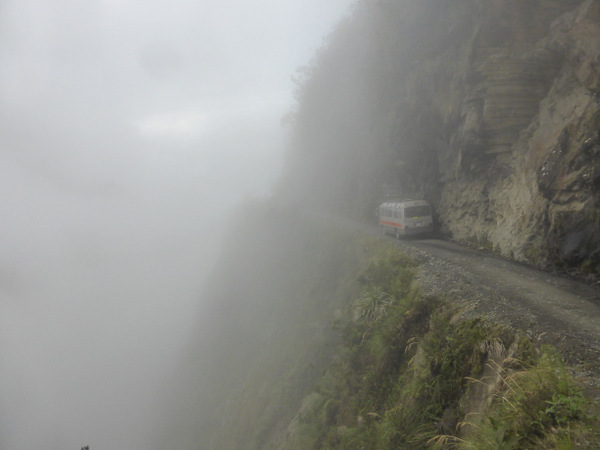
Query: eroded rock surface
point(522, 173)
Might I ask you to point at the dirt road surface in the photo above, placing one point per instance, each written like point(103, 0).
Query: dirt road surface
point(548, 307)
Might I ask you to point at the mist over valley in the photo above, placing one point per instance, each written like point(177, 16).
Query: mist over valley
point(129, 132)
point(192, 255)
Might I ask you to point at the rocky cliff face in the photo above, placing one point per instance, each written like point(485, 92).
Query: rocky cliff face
point(521, 170)
point(488, 108)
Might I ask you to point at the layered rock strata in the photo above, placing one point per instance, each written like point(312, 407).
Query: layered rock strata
point(522, 170)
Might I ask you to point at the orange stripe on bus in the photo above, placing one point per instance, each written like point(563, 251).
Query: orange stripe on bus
point(392, 224)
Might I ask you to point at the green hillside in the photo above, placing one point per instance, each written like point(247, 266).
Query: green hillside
point(321, 339)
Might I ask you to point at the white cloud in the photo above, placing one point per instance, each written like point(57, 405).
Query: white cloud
point(125, 127)
point(182, 125)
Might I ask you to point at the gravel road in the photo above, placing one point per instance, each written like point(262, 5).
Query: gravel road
point(549, 308)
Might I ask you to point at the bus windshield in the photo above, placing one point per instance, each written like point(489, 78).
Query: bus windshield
point(417, 211)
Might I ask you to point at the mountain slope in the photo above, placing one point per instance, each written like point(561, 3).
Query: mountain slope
point(487, 108)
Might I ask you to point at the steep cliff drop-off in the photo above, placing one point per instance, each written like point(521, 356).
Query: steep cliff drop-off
point(490, 109)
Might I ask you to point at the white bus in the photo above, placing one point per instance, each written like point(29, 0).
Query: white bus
point(406, 218)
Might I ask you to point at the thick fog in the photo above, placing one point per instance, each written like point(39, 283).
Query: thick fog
point(128, 130)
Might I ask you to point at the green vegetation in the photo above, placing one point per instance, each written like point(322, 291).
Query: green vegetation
point(411, 374)
point(535, 408)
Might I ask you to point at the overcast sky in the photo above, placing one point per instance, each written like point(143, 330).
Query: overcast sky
point(128, 129)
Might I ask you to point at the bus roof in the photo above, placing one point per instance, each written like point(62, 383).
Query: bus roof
point(405, 203)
